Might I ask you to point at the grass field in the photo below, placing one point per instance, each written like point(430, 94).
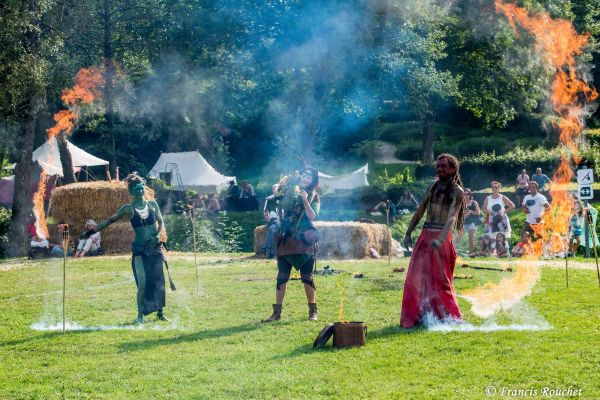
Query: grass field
point(216, 348)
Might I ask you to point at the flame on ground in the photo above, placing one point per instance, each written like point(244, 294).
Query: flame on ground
point(558, 43)
point(87, 88)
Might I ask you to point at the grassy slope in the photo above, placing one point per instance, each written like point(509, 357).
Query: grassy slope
point(218, 350)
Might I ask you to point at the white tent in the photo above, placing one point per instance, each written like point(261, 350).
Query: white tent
point(189, 170)
point(48, 158)
point(352, 180)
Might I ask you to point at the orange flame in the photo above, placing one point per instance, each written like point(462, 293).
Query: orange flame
point(41, 229)
point(558, 43)
point(86, 89)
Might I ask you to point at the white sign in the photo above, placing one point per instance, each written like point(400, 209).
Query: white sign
point(585, 176)
point(586, 192)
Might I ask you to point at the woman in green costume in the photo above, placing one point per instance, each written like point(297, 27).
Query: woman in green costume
point(147, 256)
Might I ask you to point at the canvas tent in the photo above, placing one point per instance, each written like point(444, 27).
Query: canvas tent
point(189, 170)
point(48, 158)
point(352, 180)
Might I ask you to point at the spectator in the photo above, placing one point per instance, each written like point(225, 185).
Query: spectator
point(500, 246)
point(272, 202)
point(407, 201)
point(554, 247)
point(576, 225)
point(485, 246)
point(472, 219)
point(38, 247)
point(534, 205)
point(540, 179)
point(497, 206)
point(213, 204)
point(385, 206)
point(248, 201)
point(522, 186)
point(524, 247)
point(57, 250)
point(90, 246)
point(233, 197)
point(31, 231)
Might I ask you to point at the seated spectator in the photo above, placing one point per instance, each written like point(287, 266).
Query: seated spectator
point(524, 247)
point(485, 246)
point(385, 206)
point(31, 231)
point(90, 246)
point(38, 247)
point(233, 197)
point(522, 186)
point(554, 247)
point(576, 225)
point(213, 204)
point(500, 246)
point(407, 201)
point(57, 250)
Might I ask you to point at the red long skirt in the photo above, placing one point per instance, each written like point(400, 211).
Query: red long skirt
point(428, 287)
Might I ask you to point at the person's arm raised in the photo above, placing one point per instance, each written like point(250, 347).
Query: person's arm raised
point(121, 212)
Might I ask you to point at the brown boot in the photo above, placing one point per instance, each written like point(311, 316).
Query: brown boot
point(276, 316)
point(313, 313)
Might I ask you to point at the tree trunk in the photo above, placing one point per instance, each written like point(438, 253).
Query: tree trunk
point(65, 159)
point(428, 136)
point(22, 200)
point(109, 71)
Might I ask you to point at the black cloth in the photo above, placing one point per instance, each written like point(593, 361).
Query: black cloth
point(137, 221)
point(154, 291)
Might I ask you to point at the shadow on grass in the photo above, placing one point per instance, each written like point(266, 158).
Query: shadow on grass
point(372, 336)
point(192, 337)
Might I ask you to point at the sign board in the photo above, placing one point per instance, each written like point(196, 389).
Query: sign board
point(585, 176)
point(586, 192)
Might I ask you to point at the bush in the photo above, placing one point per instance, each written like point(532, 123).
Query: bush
point(5, 215)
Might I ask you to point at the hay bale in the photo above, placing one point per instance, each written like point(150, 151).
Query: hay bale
point(343, 240)
point(78, 202)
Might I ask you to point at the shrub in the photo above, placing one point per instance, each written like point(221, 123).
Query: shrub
point(5, 215)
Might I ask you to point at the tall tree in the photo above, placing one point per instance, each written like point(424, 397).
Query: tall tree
point(24, 71)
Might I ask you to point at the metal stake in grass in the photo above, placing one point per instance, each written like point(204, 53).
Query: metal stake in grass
point(65, 240)
point(590, 225)
point(387, 217)
point(567, 262)
point(193, 220)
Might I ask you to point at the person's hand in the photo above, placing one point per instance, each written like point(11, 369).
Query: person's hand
point(435, 243)
point(408, 241)
point(304, 195)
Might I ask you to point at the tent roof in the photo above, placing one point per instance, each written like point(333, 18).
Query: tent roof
point(351, 180)
point(193, 169)
point(48, 157)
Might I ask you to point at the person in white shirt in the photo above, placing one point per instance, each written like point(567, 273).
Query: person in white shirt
point(534, 205)
point(91, 245)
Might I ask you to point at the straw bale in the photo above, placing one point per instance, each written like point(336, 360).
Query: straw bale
point(78, 202)
point(343, 240)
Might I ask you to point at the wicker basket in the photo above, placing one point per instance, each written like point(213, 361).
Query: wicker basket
point(348, 334)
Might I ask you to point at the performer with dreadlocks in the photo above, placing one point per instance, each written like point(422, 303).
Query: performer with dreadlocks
point(428, 288)
point(147, 257)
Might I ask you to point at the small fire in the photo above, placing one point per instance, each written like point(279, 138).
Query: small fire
point(558, 43)
point(87, 88)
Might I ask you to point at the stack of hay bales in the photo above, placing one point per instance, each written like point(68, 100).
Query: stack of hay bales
point(76, 203)
point(343, 240)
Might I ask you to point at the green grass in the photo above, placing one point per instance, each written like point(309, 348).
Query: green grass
point(216, 348)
